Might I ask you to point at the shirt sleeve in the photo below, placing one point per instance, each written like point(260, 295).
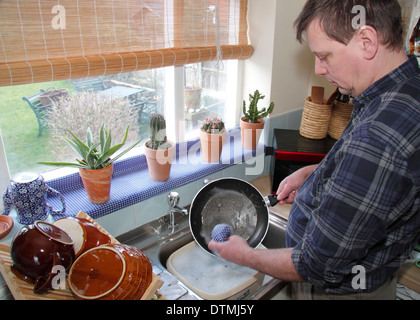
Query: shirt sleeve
point(358, 191)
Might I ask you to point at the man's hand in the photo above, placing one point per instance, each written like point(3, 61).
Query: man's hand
point(235, 249)
point(288, 188)
point(274, 262)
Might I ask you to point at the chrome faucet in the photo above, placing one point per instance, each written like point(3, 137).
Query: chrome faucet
point(173, 200)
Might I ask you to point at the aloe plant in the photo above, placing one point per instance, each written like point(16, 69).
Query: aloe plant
point(252, 114)
point(94, 156)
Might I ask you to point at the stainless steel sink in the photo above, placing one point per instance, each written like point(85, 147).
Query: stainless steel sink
point(158, 243)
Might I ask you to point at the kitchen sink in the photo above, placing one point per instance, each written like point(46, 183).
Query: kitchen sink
point(274, 239)
point(158, 242)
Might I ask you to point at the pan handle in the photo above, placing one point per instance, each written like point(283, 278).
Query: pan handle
point(271, 200)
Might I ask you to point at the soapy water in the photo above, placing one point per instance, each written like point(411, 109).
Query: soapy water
point(232, 208)
point(208, 273)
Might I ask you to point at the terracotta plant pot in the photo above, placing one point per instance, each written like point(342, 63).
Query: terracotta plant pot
point(159, 161)
point(97, 183)
point(250, 133)
point(211, 145)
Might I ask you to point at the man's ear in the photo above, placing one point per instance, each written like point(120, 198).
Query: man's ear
point(368, 41)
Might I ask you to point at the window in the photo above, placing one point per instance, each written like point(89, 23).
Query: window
point(32, 130)
point(130, 44)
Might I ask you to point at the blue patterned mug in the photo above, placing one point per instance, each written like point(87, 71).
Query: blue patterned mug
point(28, 193)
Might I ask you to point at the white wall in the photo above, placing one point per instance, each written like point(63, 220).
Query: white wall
point(281, 68)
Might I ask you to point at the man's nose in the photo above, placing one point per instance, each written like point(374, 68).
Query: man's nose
point(320, 69)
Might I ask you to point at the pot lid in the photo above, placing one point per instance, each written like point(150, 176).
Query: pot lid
point(97, 272)
point(53, 232)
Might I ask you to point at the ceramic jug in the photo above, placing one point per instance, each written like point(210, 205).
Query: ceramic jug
point(28, 193)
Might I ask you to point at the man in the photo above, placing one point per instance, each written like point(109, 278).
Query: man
point(356, 215)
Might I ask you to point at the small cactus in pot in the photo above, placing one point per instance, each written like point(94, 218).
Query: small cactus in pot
point(213, 125)
point(157, 129)
point(159, 151)
point(212, 136)
point(252, 123)
point(253, 114)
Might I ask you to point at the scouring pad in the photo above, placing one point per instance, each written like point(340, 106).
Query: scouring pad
point(221, 232)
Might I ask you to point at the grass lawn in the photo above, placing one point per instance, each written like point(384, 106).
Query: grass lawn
point(19, 127)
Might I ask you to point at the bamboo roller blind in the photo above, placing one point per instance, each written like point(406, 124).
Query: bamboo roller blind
point(47, 40)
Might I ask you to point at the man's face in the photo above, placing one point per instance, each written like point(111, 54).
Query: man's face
point(334, 60)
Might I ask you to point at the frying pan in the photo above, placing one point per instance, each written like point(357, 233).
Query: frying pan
point(234, 202)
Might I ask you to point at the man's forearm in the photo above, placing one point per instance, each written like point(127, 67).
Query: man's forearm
point(274, 262)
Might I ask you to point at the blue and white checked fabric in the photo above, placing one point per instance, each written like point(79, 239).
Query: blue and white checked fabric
point(131, 182)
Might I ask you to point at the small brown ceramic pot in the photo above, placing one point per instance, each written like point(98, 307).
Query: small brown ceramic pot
point(110, 272)
point(36, 249)
point(83, 232)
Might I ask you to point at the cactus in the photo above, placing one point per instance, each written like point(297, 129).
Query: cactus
point(253, 113)
point(157, 128)
point(212, 125)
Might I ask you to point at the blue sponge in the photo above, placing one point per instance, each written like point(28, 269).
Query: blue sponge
point(221, 232)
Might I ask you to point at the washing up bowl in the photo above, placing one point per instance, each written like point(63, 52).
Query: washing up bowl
point(159, 244)
point(274, 239)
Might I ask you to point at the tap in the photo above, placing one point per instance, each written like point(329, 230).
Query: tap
point(173, 200)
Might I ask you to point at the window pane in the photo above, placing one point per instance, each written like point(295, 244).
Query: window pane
point(117, 100)
point(32, 126)
point(204, 94)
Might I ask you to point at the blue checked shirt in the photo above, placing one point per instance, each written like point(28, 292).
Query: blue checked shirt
point(361, 206)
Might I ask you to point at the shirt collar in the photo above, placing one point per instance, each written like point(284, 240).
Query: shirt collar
point(407, 70)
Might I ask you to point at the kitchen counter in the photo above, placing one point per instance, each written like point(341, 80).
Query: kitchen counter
point(408, 275)
point(170, 289)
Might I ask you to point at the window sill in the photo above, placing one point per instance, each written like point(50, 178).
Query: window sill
point(131, 182)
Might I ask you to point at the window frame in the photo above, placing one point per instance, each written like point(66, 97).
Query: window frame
point(174, 110)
